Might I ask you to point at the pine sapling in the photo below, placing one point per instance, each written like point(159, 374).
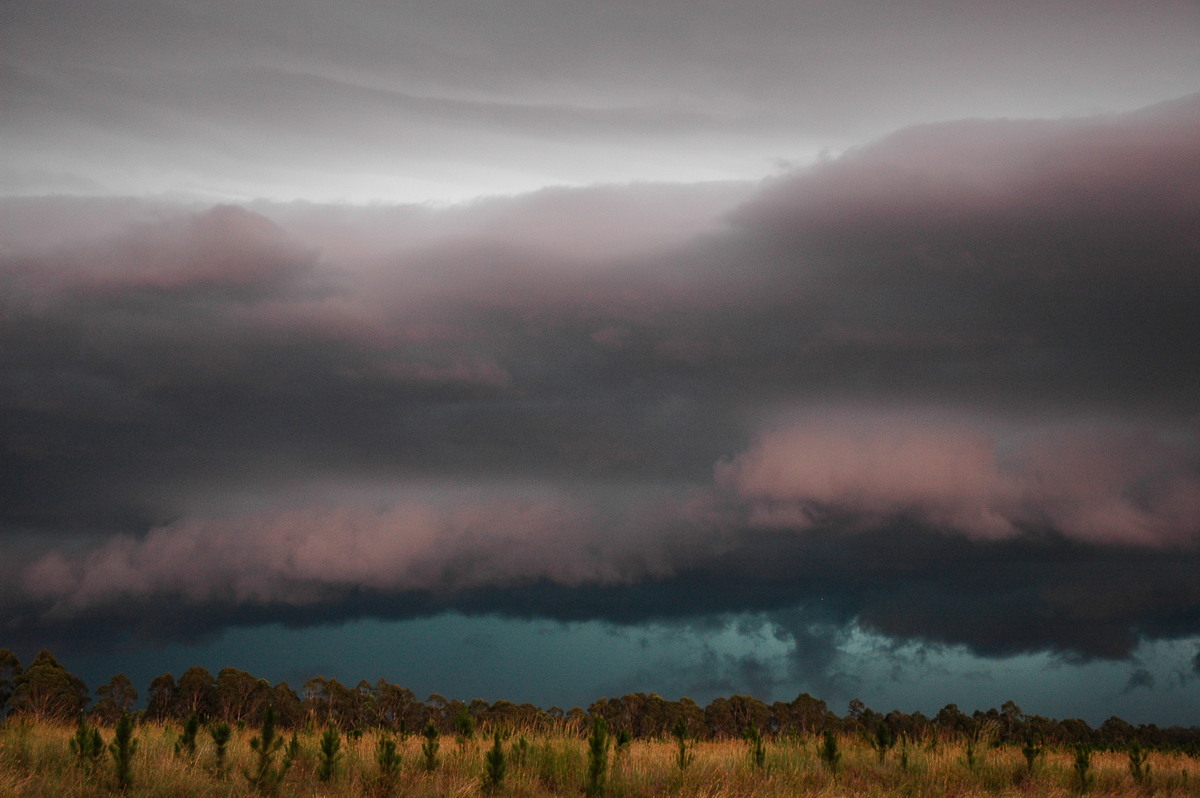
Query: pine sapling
point(1031, 750)
point(429, 748)
point(122, 748)
point(969, 751)
point(266, 777)
point(623, 740)
point(1139, 766)
point(494, 765)
point(684, 755)
point(829, 752)
point(598, 740)
point(520, 751)
point(330, 753)
point(1083, 762)
point(292, 752)
point(87, 744)
point(758, 754)
point(220, 734)
point(883, 740)
point(186, 744)
point(388, 760)
point(464, 726)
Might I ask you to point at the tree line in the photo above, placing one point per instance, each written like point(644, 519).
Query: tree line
point(46, 690)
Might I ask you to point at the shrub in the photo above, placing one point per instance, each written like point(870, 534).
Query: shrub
point(122, 748)
point(186, 744)
point(87, 744)
point(429, 748)
point(1083, 762)
point(597, 756)
point(758, 754)
point(1031, 750)
point(828, 751)
point(330, 754)
point(220, 734)
point(1139, 767)
point(680, 733)
point(494, 765)
point(266, 776)
point(883, 740)
point(388, 760)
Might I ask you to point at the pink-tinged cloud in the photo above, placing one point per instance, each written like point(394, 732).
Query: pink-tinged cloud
point(1090, 484)
point(226, 247)
point(301, 556)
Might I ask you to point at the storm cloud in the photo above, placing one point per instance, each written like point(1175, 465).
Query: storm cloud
point(941, 386)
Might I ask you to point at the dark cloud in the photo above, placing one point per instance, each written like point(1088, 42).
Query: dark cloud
point(941, 387)
point(1139, 679)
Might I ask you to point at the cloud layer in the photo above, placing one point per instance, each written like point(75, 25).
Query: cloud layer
point(945, 377)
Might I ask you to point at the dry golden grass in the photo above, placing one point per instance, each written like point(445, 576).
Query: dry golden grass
point(35, 760)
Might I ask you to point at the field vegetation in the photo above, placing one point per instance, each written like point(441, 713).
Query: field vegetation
point(209, 739)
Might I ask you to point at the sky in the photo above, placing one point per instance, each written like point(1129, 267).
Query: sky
point(549, 351)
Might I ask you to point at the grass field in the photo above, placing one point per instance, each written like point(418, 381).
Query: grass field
point(36, 760)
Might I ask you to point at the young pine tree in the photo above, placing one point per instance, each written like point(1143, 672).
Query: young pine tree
point(758, 754)
point(1031, 750)
point(330, 753)
point(1139, 767)
point(87, 744)
point(597, 773)
point(464, 726)
point(220, 734)
point(683, 757)
point(1083, 763)
point(828, 751)
point(388, 760)
point(883, 740)
point(122, 748)
point(186, 744)
point(266, 776)
point(494, 765)
point(429, 748)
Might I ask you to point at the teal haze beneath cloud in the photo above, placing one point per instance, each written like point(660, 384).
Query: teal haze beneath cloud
point(537, 353)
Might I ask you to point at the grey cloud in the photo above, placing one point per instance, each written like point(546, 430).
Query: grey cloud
point(996, 310)
point(242, 101)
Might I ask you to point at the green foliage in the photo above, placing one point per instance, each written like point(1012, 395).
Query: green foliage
point(883, 741)
point(330, 753)
point(292, 752)
point(520, 751)
point(623, 740)
point(464, 726)
point(597, 772)
point(495, 765)
point(186, 744)
point(758, 753)
point(680, 733)
point(828, 751)
point(969, 751)
point(45, 689)
point(429, 748)
point(387, 757)
point(220, 734)
point(1083, 762)
point(87, 744)
point(1139, 766)
point(122, 748)
point(1032, 749)
point(266, 777)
